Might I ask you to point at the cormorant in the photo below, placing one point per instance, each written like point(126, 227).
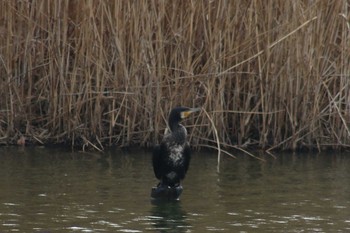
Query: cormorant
point(171, 158)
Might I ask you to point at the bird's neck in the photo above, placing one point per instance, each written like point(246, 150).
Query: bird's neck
point(178, 133)
point(174, 126)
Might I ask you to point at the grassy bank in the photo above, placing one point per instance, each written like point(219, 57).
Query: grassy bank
point(271, 74)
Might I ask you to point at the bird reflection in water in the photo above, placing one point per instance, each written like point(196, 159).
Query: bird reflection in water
point(168, 216)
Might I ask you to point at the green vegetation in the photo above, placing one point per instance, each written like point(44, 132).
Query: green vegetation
point(270, 74)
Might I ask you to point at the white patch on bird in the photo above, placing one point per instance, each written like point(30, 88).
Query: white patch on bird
point(171, 175)
point(176, 153)
point(175, 142)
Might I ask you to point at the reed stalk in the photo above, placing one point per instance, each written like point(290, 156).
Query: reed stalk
point(269, 74)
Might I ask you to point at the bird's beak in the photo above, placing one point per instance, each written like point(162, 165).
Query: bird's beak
point(189, 112)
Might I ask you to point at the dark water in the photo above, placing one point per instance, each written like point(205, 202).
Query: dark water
point(55, 191)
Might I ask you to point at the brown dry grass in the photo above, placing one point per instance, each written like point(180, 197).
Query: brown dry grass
point(271, 74)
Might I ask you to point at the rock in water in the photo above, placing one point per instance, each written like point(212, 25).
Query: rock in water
point(166, 193)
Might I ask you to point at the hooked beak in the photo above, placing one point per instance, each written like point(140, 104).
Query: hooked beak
point(185, 114)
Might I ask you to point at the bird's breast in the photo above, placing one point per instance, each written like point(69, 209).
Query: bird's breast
point(176, 154)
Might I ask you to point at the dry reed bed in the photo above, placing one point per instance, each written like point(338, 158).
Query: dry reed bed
point(271, 74)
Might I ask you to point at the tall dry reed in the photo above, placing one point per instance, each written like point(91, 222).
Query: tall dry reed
point(271, 74)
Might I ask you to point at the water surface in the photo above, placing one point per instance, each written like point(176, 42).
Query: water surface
point(50, 190)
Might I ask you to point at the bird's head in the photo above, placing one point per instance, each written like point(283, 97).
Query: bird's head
point(179, 113)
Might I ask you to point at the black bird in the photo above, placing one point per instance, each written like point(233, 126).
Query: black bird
point(171, 158)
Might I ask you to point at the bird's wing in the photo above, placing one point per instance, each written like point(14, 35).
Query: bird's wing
point(156, 161)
